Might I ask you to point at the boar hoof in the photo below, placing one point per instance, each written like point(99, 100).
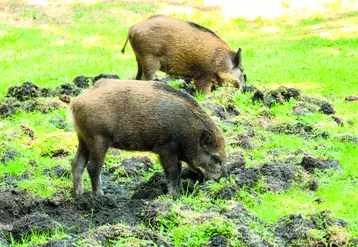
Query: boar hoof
point(98, 193)
point(78, 194)
point(175, 192)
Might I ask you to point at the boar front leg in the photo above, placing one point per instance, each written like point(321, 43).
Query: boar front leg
point(203, 85)
point(97, 155)
point(172, 168)
point(78, 165)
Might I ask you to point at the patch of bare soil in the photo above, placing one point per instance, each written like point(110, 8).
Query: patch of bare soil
point(295, 229)
point(29, 97)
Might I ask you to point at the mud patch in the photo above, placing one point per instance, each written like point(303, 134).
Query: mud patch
point(310, 164)
point(20, 212)
point(293, 230)
point(156, 186)
point(244, 176)
point(36, 222)
point(243, 220)
point(278, 176)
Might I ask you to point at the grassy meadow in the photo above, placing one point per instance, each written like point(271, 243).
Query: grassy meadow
point(51, 44)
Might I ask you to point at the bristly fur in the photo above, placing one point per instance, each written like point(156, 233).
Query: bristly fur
point(201, 28)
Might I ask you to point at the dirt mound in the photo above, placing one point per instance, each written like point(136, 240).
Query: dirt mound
point(243, 219)
point(10, 106)
point(236, 159)
point(248, 89)
point(81, 81)
point(327, 108)
point(27, 97)
point(244, 176)
point(103, 76)
point(303, 109)
point(351, 98)
point(293, 230)
point(278, 176)
point(310, 164)
point(221, 111)
point(217, 241)
point(243, 140)
point(297, 128)
point(69, 89)
point(348, 138)
point(8, 155)
point(24, 92)
point(277, 96)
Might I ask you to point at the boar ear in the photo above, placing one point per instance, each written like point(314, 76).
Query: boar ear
point(237, 58)
point(206, 138)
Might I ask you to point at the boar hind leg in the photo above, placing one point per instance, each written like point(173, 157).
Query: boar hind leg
point(150, 65)
point(203, 85)
point(172, 168)
point(140, 70)
point(78, 165)
point(98, 151)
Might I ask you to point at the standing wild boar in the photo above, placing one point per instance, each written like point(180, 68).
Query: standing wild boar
point(184, 49)
point(145, 116)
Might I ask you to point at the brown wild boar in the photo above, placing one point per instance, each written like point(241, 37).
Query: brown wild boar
point(184, 49)
point(145, 116)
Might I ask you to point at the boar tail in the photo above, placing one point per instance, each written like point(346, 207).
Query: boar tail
point(128, 37)
point(125, 44)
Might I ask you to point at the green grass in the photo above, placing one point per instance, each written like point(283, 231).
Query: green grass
point(317, 55)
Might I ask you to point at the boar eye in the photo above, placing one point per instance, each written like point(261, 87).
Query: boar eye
point(216, 159)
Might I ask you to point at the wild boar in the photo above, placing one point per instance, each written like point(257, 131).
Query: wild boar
point(185, 49)
point(145, 116)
